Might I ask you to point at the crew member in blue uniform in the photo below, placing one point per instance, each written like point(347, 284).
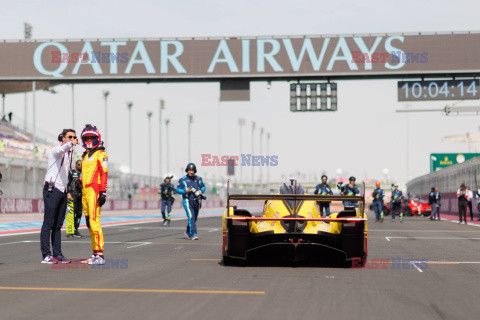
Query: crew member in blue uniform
point(350, 189)
point(191, 188)
point(396, 198)
point(324, 189)
point(378, 195)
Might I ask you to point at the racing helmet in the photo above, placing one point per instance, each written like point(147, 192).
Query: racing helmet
point(91, 131)
point(377, 183)
point(191, 166)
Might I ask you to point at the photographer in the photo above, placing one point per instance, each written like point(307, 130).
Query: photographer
point(55, 197)
point(191, 187)
point(351, 190)
point(324, 189)
point(167, 199)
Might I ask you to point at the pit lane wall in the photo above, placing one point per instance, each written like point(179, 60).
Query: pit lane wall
point(10, 205)
point(448, 180)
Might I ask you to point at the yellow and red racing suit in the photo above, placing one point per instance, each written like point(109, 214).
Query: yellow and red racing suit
point(94, 171)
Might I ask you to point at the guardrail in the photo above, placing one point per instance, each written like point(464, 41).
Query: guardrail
point(11, 205)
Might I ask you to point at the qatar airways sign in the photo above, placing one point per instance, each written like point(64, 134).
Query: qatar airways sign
point(209, 58)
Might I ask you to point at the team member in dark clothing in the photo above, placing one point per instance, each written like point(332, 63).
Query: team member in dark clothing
point(350, 189)
point(462, 203)
point(396, 199)
point(378, 195)
point(324, 189)
point(436, 205)
point(166, 193)
point(74, 197)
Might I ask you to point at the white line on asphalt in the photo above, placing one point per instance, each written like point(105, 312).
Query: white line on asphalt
point(216, 229)
point(416, 267)
point(434, 238)
point(387, 238)
point(400, 230)
point(138, 245)
point(112, 225)
point(2, 244)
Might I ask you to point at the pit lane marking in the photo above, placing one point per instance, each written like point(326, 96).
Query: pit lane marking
point(400, 230)
point(195, 243)
point(138, 245)
point(134, 290)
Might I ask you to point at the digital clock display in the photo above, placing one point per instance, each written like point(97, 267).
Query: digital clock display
point(438, 90)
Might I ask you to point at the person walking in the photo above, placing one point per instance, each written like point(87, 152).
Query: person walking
point(166, 197)
point(191, 187)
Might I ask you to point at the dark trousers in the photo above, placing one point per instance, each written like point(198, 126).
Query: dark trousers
point(397, 207)
point(326, 206)
point(462, 210)
point(55, 210)
point(77, 211)
point(469, 203)
point(166, 204)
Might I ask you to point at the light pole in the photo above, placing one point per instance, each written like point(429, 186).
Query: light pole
point(105, 95)
point(251, 156)
point(3, 104)
point(261, 154)
point(149, 116)
point(161, 107)
point(268, 154)
point(129, 106)
point(73, 106)
point(34, 138)
point(241, 123)
point(167, 121)
point(28, 35)
point(190, 121)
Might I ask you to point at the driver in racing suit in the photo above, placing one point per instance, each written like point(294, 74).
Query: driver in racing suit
point(94, 172)
point(191, 188)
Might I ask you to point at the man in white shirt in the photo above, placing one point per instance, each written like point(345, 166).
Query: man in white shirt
point(55, 197)
point(469, 202)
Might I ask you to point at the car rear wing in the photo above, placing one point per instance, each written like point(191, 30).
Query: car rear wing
point(299, 197)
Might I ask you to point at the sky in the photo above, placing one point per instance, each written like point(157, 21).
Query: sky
point(364, 137)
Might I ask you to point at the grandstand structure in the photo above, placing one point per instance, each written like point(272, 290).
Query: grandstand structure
point(23, 166)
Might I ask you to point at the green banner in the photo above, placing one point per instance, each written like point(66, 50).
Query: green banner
point(442, 160)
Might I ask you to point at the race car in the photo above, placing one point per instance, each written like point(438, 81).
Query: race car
point(410, 207)
point(291, 228)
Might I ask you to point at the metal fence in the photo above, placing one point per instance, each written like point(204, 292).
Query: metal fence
point(448, 179)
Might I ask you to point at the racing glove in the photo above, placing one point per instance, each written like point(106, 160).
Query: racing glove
point(102, 197)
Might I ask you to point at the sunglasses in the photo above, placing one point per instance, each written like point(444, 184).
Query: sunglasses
point(71, 137)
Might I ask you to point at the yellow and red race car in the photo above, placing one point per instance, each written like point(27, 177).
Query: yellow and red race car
point(291, 228)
